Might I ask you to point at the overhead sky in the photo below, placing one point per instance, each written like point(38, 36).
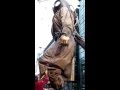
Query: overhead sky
point(43, 22)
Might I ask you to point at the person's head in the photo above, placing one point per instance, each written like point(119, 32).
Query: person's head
point(37, 77)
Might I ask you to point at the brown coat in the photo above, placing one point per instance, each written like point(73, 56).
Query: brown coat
point(63, 21)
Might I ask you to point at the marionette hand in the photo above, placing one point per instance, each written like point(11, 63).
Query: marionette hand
point(64, 40)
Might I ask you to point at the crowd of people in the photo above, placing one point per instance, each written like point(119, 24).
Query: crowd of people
point(41, 81)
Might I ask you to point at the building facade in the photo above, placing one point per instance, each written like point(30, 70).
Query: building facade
point(80, 52)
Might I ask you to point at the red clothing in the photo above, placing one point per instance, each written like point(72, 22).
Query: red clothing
point(39, 85)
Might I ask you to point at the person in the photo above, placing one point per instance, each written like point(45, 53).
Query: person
point(59, 55)
point(37, 71)
point(40, 83)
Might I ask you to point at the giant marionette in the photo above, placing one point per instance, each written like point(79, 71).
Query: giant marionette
point(59, 55)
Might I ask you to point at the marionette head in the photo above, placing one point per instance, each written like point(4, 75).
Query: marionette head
point(60, 3)
point(57, 5)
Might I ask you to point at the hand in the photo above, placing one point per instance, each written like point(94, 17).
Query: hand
point(64, 40)
point(46, 71)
